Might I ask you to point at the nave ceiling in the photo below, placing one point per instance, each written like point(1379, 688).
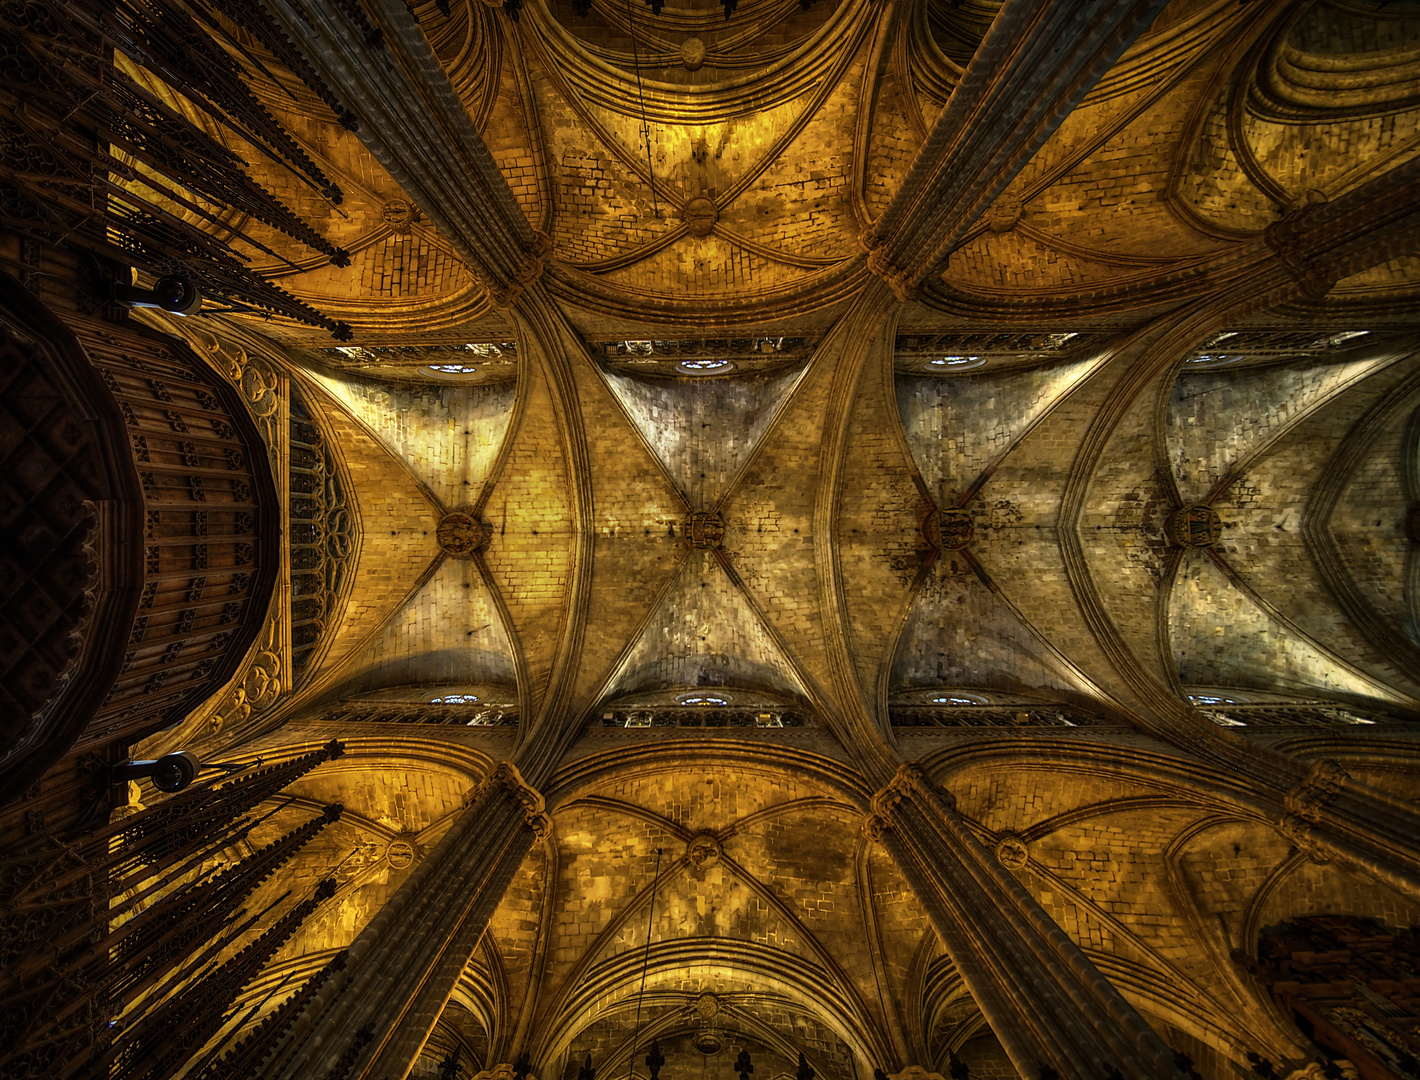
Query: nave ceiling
point(722, 347)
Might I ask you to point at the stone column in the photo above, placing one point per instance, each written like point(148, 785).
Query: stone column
point(1329, 816)
point(405, 963)
point(410, 118)
point(1036, 63)
point(1046, 1002)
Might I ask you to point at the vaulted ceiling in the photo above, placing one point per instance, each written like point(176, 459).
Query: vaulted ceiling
point(707, 338)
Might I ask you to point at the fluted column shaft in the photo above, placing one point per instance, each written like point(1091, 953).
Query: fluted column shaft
point(1043, 998)
point(412, 121)
point(1035, 64)
point(1320, 243)
point(405, 963)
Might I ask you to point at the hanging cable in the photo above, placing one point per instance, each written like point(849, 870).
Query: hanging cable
point(645, 963)
point(645, 133)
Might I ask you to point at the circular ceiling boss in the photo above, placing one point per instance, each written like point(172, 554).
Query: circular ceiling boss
point(692, 53)
point(704, 529)
point(1196, 526)
point(700, 214)
point(950, 530)
point(460, 534)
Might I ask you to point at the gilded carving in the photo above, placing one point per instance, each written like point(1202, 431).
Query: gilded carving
point(700, 215)
point(258, 381)
point(692, 53)
point(950, 529)
point(704, 530)
point(400, 215)
point(258, 690)
point(1003, 214)
point(400, 854)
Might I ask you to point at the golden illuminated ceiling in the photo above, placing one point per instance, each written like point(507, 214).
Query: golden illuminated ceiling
point(1038, 384)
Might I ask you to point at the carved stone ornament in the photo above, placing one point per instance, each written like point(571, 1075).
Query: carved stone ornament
point(704, 530)
point(1300, 832)
point(904, 287)
point(531, 268)
point(460, 534)
point(873, 827)
point(1309, 798)
point(1196, 526)
point(700, 214)
point(506, 775)
point(257, 380)
point(1012, 853)
point(1289, 238)
point(503, 1071)
point(915, 1072)
point(400, 215)
point(708, 1042)
point(949, 530)
point(703, 851)
point(707, 1006)
point(692, 53)
point(258, 690)
point(400, 854)
point(1003, 214)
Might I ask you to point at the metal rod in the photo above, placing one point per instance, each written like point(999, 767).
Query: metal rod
point(645, 963)
point(645, 127)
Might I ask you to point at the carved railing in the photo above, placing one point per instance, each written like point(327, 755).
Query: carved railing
point(679, 356)
point(321, 536)
point(455, 715)
point(1003, 716)
point(914, 349)
point(1230, 715)
point(701, 717)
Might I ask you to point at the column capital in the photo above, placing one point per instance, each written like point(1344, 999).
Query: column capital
point(1302, 833)
point(1309, 798)
point(909, 782)
point(532, 267)
point(505, 775)
point(1288, 237)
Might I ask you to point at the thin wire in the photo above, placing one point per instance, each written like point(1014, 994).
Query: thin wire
point(645, 962)
point(645, 131)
